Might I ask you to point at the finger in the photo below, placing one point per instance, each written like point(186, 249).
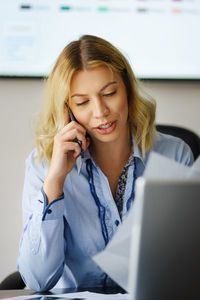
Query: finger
point(72, 125)
point(71, 146)
point(74, 134)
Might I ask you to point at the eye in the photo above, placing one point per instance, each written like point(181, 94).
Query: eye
point(110, 94)
point(82, 103)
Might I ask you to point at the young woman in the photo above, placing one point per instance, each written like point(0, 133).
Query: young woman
point(79, 181)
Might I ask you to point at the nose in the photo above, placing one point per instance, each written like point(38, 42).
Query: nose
point(100, 108)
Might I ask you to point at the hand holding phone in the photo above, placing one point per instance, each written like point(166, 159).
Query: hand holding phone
point(72, 118)
point(68, 144)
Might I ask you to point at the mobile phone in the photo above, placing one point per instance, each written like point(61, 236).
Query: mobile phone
point(72, 118)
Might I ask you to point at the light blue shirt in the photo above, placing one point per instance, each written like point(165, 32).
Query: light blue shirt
point(59, 239)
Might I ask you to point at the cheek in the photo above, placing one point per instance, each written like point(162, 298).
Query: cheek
point(122, 106)
point(82, 117)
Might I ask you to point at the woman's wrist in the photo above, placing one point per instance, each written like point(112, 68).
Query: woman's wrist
point(53, 188)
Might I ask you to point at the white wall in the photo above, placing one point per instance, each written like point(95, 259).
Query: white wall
point(19, 101)
point(177, 103)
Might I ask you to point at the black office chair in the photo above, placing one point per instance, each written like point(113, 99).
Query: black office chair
point(191, 138)
point(13, 281)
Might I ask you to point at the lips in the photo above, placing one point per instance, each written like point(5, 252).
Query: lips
point(106, 128)
point(105, 125)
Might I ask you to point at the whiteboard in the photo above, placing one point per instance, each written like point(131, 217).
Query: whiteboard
point(160, 38)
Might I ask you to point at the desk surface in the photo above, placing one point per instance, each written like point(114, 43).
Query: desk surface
point(14, 293)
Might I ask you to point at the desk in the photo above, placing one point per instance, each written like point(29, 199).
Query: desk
point(14, 293)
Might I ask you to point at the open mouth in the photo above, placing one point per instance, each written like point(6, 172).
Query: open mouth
point(107, 125)
point(106, 128)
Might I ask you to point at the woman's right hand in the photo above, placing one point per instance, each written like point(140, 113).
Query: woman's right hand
point(65, 152)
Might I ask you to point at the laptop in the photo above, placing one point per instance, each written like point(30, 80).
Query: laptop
point(165, 248)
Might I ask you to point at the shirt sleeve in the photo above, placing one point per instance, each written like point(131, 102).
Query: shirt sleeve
point(173, 148)
point(184, 154)
point(42, 247)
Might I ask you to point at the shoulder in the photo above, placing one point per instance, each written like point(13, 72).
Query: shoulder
point(173, 148)
point(34, 166)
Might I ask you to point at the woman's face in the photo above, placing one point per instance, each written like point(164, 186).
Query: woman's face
point(99, 103)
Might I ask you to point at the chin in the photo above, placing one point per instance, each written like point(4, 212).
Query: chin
point(107, 137)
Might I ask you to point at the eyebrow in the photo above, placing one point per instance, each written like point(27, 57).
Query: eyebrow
point(103, 88)
point(108, 84)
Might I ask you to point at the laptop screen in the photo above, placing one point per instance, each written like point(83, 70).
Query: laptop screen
point(165, 250)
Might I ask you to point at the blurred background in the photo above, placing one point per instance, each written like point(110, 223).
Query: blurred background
point(159, 38)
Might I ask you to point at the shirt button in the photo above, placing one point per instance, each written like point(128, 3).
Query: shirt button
point(117, 222)
point(49, 211)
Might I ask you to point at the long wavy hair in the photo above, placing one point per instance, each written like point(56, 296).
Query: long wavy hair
point(86, 53)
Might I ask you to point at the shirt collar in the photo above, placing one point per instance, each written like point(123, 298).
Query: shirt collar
point(136, 153)
point(80, 160)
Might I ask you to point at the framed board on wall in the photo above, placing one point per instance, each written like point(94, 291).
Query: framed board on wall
point(159, 37)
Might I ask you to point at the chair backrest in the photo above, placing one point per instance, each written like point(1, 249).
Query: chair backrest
point(191, 138)
point(12, 282)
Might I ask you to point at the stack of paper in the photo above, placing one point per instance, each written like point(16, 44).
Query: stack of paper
point(115, 259)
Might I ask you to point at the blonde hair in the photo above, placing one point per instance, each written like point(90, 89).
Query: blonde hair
point(86, 53)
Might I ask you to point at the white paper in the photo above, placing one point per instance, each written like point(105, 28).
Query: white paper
point(161, 167)
point(82, 295)
point(194, 171)
point(94, 296)
point(115, 258)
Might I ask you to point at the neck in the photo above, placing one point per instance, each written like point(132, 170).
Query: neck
point(111, 157)
point(115, 152)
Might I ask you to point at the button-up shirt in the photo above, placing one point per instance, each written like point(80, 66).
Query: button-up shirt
point(59, 239)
